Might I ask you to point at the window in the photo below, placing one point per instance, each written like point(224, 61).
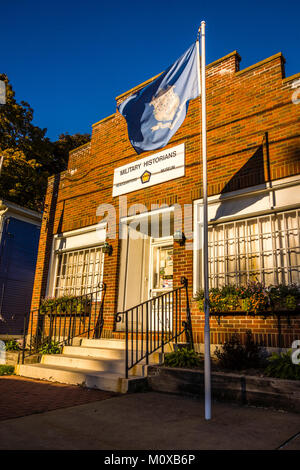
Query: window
point(78, 272)
point(264, 248)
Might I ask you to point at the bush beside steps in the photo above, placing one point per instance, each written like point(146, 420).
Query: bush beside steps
point(233, 356)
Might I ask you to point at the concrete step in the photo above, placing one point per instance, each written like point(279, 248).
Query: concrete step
point(103, 343)
point(75, 376)
point(106, 353)
point(88, 363)
point(96, 364)
point(119, 344)
point(97, 352)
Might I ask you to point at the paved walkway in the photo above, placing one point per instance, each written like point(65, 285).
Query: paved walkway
point(146, 421)
point(21, 397)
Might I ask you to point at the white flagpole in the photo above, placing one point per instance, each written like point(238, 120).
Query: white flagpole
point(207, 365)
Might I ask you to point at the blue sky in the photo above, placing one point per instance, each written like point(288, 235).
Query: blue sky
point(70, 59)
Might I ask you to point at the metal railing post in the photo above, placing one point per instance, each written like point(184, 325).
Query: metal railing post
point(162, 324)
point(126, 341)
point(189, 333)
point(147, 335)
point(24, 338)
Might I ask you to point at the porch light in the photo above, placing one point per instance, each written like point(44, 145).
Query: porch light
point(179, 237)
point(107, 248)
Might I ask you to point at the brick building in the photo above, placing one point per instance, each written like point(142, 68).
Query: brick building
point(253, 141)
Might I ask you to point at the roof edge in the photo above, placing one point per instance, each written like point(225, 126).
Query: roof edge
point(107, 118)
point(21, 210)
point(227, 56)
point(261, 62)
point(80, 147)
point(291, 78)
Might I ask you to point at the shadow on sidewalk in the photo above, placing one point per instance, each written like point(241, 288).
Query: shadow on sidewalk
point(23, 397)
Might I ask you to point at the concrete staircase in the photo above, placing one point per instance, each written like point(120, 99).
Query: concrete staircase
point(94, 363)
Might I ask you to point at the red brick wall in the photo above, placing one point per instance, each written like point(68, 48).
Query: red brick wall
point(244, 109)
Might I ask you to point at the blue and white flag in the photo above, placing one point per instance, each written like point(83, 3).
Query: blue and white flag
point(155, 112)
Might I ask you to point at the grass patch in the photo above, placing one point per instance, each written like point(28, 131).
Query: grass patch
point(6, 370)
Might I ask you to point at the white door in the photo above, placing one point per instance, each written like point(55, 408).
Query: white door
point(133, 277)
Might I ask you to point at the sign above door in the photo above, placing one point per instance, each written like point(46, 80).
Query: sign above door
point(154, 169)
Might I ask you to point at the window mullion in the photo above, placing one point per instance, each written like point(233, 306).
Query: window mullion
point(260, 254)
point(287, 251)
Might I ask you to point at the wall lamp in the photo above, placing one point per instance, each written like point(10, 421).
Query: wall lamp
point(107, 248)
point(179, 237)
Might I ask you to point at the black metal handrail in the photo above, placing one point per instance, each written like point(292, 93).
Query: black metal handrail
point(150, 325)
point(62, 320)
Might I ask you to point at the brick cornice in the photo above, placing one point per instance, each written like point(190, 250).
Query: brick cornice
point(262, 62)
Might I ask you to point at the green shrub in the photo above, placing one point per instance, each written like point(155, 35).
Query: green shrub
point(12, 345)
point(290, 302)
point(183, 357)
point(284, 297)
point(52, 347)
point(6, 370)
point(282, 367)
point(220, 300)
point(236, 356)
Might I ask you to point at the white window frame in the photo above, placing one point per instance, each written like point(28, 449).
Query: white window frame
point(279, 196)
point(88, 257)
point(74, 240)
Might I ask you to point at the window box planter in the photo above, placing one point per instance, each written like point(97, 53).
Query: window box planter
point(66, 306)
point(253, 299)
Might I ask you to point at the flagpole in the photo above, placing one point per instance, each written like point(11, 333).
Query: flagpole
point(207, 360)
point(1, 163)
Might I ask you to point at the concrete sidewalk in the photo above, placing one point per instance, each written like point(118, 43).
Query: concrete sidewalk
point(21, 396)
point(152, 421)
